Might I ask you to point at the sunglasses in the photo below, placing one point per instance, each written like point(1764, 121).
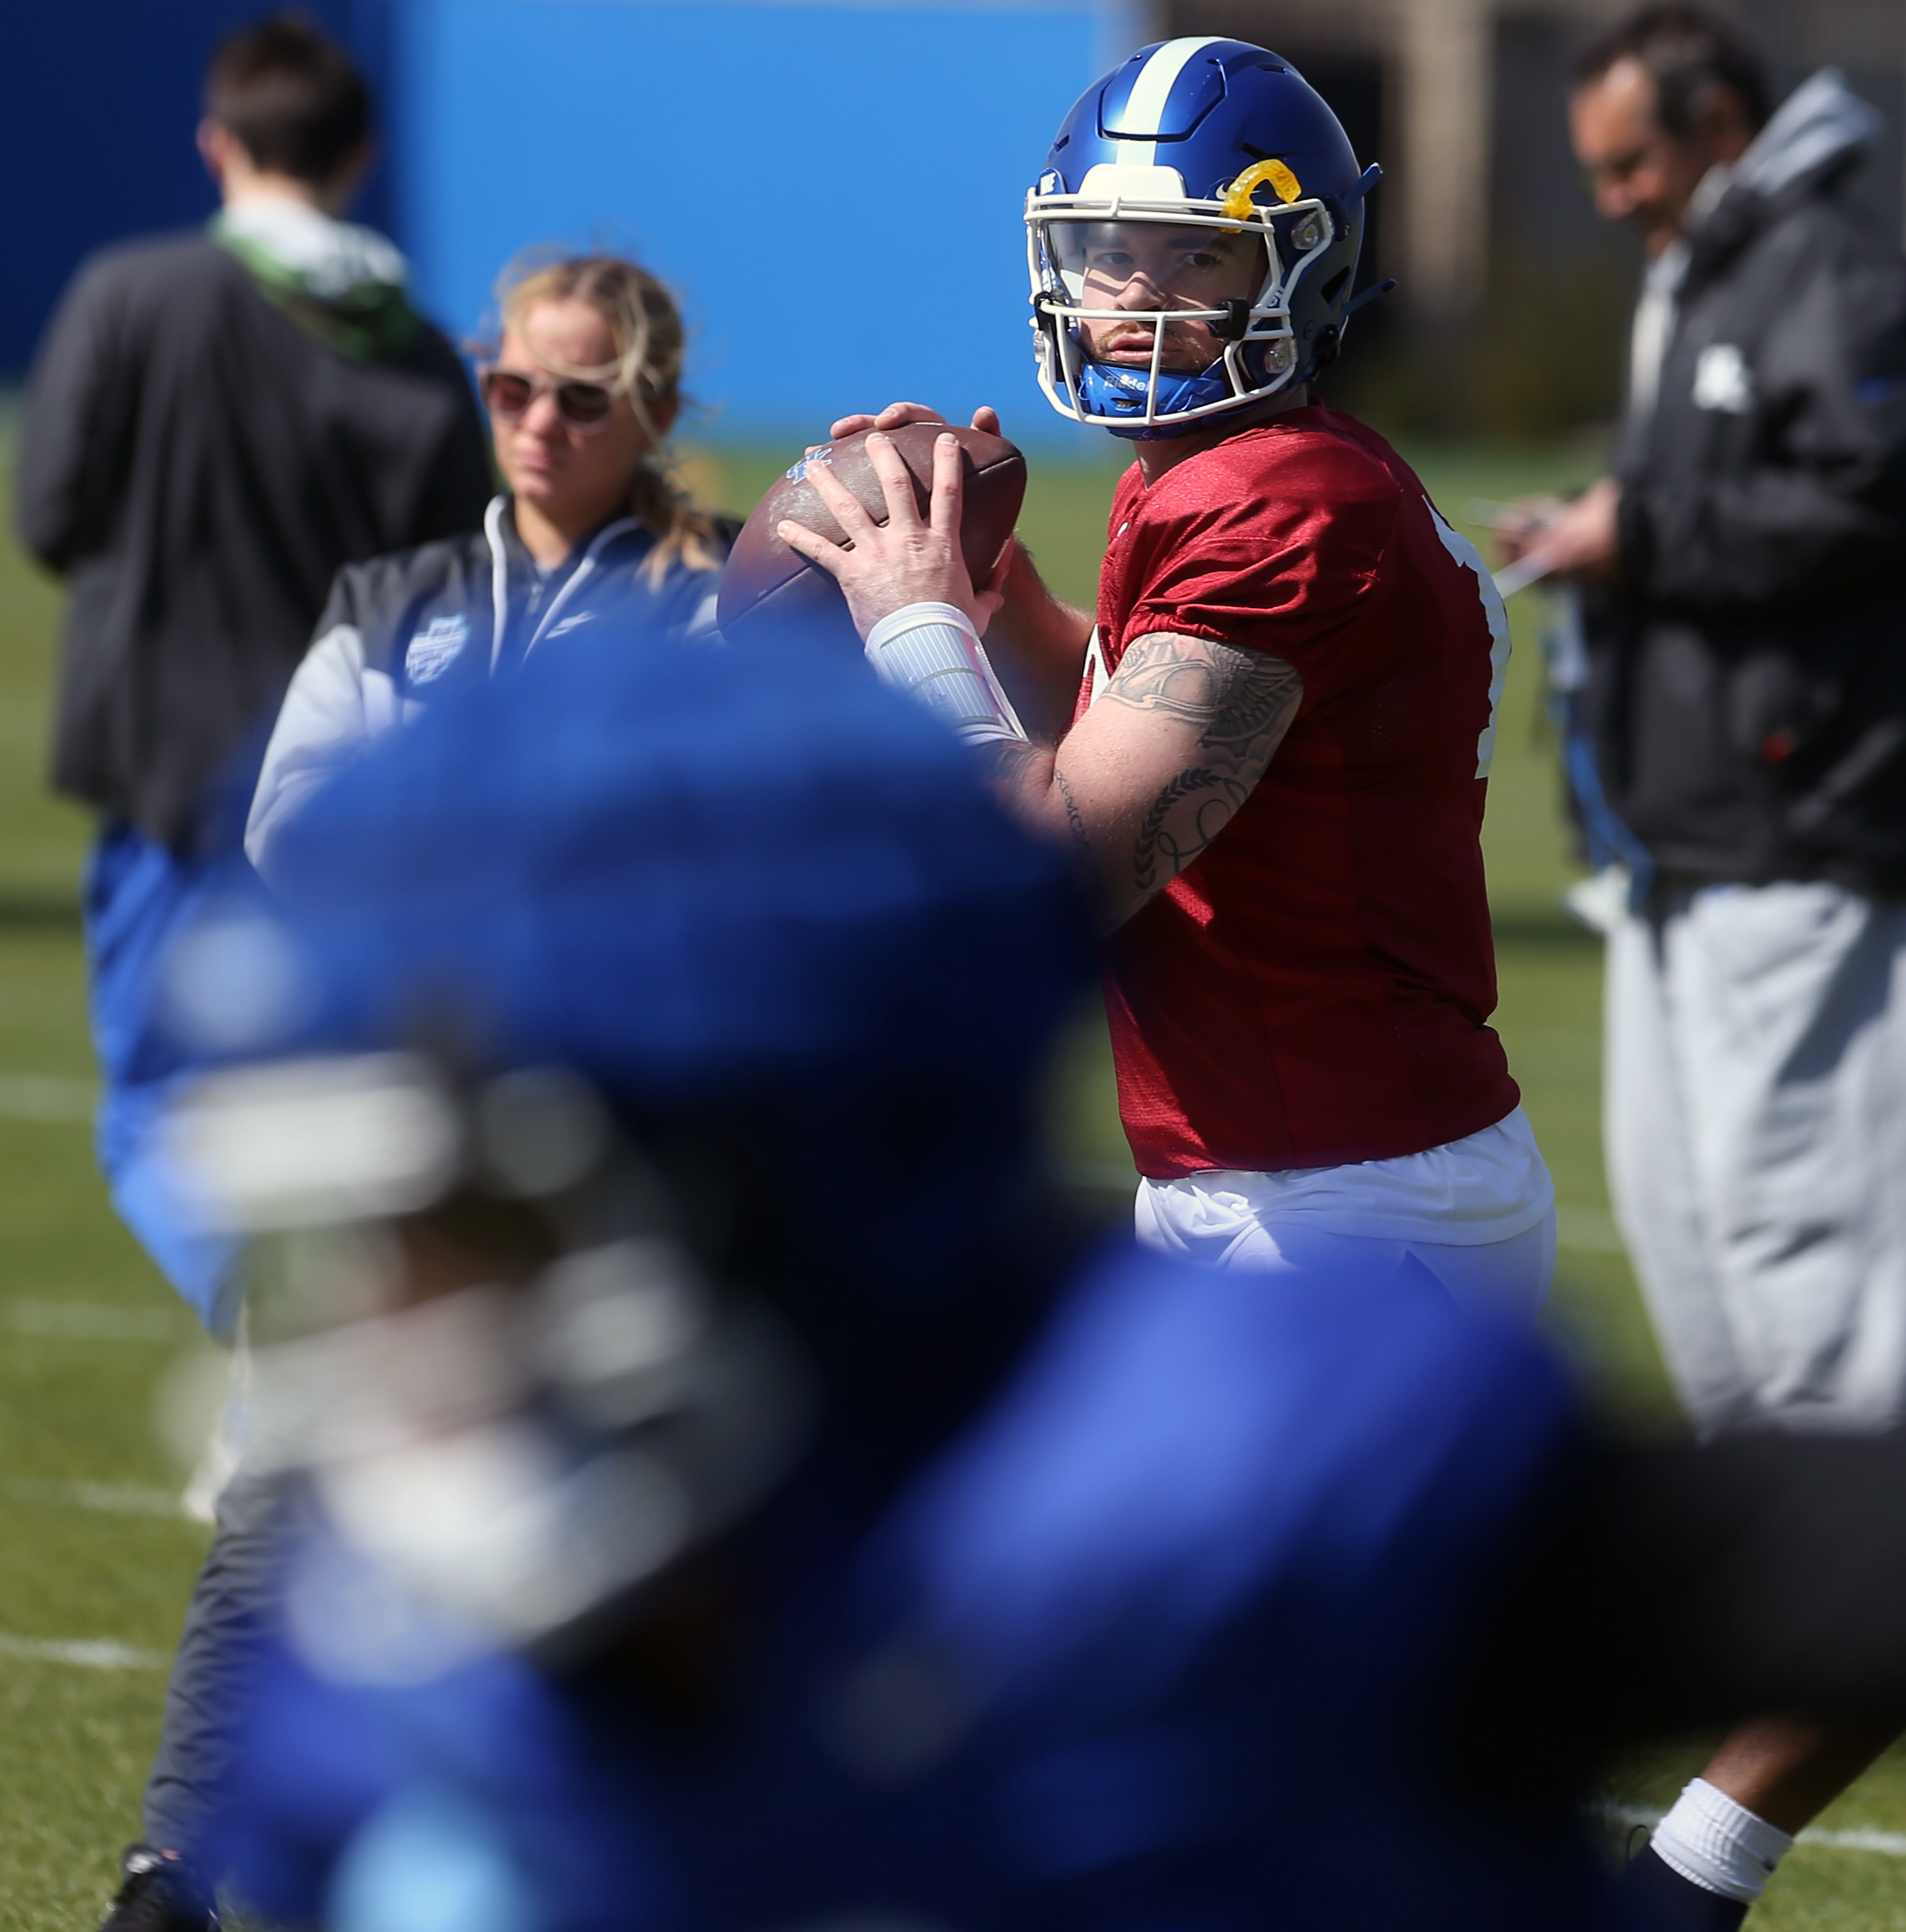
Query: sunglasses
point(584, 406)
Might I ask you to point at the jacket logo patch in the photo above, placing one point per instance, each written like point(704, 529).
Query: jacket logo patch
point(1723, 381)
point(434, 648)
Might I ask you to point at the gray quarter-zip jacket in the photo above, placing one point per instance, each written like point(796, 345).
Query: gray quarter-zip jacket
point(400, 631)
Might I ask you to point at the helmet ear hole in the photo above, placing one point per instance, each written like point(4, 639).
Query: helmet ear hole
point(1332, 289)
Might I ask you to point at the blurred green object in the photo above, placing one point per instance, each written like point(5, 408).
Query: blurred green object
point(83, 1480)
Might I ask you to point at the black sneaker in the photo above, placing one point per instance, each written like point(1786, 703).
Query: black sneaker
point(159, 1892)
point(1660, 1898)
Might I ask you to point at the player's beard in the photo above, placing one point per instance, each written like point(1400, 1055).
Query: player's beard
point(1190, 348)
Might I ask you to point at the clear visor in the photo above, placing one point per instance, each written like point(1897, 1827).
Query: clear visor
point(1138, 266)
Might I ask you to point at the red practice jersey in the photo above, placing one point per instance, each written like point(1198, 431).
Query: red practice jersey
point(1315, 988)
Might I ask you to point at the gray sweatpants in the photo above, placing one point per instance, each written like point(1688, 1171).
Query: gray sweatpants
point(1755, 1121)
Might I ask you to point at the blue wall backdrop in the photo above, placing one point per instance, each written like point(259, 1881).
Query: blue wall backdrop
point(833, 185)
point(834, 189)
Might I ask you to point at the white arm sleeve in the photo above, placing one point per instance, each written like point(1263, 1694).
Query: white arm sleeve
point(932, 653)
point(333, 708)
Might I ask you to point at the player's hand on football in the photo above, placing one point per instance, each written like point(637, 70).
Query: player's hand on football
point(897, 415)
point(882, 568)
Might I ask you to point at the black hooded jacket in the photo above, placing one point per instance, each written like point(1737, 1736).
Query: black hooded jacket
point(1747, 686)
point(198, 463)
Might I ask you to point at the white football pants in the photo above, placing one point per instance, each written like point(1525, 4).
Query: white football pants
point(1509, 1278)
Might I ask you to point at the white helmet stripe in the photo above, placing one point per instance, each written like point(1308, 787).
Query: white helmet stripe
point(1150, 93)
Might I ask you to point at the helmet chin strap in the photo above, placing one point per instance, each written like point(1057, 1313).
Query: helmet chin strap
point(1107, 392)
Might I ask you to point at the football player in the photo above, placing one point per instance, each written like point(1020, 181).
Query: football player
point(1271, 751)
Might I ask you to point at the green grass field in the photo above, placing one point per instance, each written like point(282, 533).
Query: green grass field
point(88, 1333)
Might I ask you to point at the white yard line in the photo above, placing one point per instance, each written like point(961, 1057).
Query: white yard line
point(1889, 1844)
point(89, 1654)
point(95, 1321)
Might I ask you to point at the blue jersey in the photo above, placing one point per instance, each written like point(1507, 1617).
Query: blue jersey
point(1154, 1644)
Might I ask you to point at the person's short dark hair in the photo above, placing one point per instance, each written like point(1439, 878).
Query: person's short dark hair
point(291, 97)
point(1689, 50)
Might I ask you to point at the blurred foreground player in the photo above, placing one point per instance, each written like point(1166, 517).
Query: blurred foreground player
point(705, 1508)
point(214, 423)
point(1270, 753)
point(588, 533)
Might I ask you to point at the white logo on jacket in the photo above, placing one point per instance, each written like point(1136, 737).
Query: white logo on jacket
point(434, 648)
point(1723, 381)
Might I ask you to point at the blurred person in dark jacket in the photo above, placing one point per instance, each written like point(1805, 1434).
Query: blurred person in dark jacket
point(216, 422)
point(1740, 744)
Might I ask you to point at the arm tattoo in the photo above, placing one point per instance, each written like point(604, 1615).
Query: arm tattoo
point(1081, 843)
point(1241, 700)
point(1165, 673)
point(1154, 840)
point(1017, 764)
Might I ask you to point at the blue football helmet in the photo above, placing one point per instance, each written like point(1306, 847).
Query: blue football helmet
point(1204, 182)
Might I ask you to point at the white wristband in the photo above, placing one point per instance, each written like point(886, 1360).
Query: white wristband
point(932, 653)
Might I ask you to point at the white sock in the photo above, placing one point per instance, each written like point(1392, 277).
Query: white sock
point(1718, 1845)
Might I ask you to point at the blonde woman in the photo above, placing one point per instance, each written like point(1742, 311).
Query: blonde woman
point(582, 390)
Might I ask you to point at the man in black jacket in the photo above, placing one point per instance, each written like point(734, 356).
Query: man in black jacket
point(1740, 742)
point(216, 422)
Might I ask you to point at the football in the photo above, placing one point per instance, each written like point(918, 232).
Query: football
point(766, 587)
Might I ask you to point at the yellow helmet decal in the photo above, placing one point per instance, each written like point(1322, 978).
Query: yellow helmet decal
point(1238, 196)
